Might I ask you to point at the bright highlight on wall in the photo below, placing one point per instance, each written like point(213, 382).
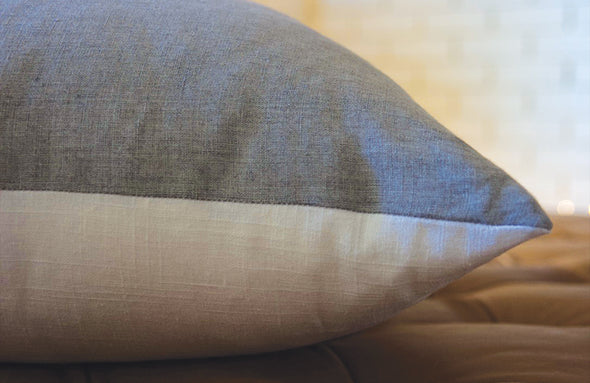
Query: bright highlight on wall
point(566, 207)
point(512, 78)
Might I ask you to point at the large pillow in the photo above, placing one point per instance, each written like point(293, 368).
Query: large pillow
point(190, 178)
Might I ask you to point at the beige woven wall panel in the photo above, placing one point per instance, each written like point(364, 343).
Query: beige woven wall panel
point(510, 78)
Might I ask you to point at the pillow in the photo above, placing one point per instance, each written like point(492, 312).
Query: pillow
point(209, 177)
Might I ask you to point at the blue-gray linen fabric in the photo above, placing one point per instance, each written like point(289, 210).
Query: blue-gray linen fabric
point(225, 100)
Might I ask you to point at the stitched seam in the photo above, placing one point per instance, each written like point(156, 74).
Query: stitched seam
point(487, 310)
point(358, 211)
point(338, 359)
point(87, 373)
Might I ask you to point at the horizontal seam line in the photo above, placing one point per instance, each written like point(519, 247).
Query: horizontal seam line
point(273, 203)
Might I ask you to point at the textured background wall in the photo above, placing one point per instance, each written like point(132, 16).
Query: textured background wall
point(512, 78)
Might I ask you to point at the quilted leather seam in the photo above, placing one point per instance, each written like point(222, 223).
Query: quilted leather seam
point(338, 359)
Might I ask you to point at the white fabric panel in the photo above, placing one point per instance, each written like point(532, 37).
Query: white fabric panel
point(109, 277)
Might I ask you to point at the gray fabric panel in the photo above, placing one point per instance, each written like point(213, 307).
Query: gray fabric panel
point(225, 100)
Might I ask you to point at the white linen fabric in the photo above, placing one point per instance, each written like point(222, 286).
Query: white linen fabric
point(111, 277)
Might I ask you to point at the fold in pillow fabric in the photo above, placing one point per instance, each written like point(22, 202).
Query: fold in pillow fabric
point(204, 178)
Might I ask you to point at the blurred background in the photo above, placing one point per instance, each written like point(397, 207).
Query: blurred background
point(511, 78)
